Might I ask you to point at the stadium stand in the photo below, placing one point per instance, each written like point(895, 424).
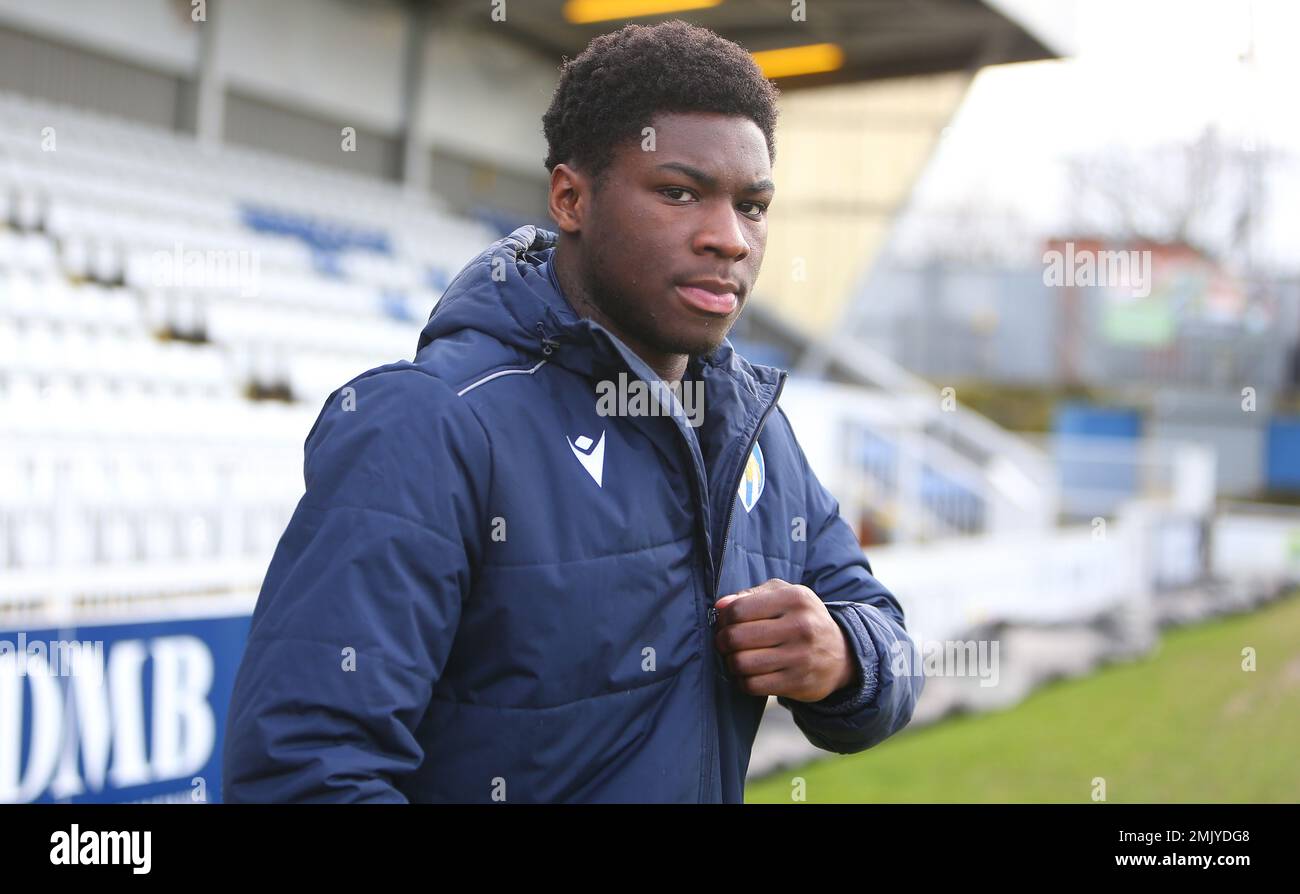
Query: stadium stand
point(172, 319)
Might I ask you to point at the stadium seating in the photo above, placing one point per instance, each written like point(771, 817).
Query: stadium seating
point(172, 318)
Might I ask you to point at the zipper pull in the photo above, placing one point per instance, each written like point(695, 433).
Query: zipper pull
point(548, 344)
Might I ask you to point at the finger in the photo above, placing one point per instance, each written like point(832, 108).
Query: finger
point(740, 594)
point(750, 635)
point(758, 662)
point(749, 591)
point(727, 600)
point(770, 600)
point(763, 684)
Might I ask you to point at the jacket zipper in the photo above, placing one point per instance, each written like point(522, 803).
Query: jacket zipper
point(714, 659)
point(549, 344)
point(731, 511)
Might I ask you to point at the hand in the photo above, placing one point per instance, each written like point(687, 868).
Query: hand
point(779, 639)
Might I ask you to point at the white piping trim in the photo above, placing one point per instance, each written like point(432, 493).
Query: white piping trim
point(504, 372)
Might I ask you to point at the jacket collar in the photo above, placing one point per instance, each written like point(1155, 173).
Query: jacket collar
point(511, 293)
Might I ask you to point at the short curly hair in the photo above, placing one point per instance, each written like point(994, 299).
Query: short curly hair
point(623, 79)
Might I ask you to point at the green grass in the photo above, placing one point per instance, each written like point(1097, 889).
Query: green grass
point(1183, 724)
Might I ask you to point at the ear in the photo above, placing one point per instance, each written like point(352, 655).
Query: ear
point(569, 199)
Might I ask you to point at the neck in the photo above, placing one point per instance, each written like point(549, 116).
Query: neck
point(669, 367)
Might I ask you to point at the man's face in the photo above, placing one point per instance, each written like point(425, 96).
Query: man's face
point(692, 211)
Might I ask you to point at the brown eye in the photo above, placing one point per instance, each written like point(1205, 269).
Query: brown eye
point(679, 189)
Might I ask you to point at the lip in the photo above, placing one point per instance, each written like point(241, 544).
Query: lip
point(713, 296)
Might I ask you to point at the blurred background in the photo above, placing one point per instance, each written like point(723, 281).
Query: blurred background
point(1034, 268)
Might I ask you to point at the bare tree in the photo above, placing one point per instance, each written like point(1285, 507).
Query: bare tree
point(1205, 194)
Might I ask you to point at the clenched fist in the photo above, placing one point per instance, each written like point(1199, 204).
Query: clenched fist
point(779, 639)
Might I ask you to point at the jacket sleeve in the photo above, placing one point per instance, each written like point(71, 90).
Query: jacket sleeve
point(361, 602)
point(889, 679)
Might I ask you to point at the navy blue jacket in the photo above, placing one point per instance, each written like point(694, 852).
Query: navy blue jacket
point(492, 591)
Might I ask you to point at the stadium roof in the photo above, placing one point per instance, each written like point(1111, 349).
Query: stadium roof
point(876, 38)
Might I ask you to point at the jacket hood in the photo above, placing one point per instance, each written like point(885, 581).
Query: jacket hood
point(510, 292)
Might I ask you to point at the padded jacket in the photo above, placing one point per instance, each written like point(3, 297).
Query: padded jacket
point(494, 590)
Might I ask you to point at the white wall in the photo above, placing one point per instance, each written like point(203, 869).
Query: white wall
point(482, 96)
point(485, 98)
point(1240, 446)
point(341, 60)
point(154, 33)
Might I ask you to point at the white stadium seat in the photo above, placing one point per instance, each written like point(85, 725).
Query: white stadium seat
point(139, 316)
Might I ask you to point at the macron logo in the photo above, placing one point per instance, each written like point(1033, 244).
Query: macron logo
point(591, 455)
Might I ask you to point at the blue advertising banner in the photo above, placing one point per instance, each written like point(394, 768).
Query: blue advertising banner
point(117, 713)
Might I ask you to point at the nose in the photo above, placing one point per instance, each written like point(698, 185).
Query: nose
point(720, 232)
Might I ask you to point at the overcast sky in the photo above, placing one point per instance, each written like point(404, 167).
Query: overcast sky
point(1140, 74)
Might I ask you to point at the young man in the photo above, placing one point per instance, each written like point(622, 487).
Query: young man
point(511, 580)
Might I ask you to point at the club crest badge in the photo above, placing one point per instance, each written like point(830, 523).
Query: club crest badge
point(751, 483)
